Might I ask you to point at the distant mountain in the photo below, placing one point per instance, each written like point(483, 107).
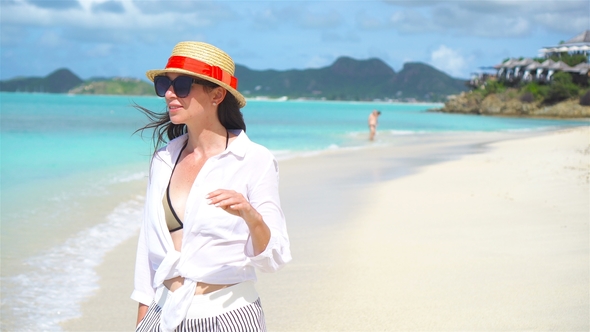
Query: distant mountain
point(345, 79)
point(350, 79)
point(114, 86)
point(64, 81)
point(419, 80)
point(60, 81)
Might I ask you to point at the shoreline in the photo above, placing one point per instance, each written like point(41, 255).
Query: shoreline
point(505, 103)
point(515, 116)
point(327, 240)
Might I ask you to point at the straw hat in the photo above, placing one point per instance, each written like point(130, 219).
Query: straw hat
point(204, 61)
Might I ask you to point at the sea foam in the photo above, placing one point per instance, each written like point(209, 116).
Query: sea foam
point(64, 276)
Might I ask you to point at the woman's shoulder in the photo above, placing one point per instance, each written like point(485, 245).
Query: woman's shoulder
point(174, 145)
point(255, 149)
point(166, 152)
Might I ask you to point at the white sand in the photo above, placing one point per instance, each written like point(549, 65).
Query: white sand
point(494, 241)
point(497, 241)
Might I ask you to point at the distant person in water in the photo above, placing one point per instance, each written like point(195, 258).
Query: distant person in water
point(373, 123)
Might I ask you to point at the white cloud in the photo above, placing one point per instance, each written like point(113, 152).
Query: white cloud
point(12, 36)
point(320, 20)
point(460, 21)
point(555, 21)
point(367, 21)
point(265, 19)
point(100, 50)
point(411, 21)
point(283, 34)
point(450, 61)
point(51, 39)
point(344, 36)
point(298, 15)
point(490, 18)
point(129, 17)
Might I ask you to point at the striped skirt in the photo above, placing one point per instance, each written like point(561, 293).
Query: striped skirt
point(211, 312)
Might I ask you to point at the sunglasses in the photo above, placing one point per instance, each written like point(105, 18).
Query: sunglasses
point(182, 85)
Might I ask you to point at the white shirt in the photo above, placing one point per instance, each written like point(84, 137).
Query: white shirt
point(216, 246)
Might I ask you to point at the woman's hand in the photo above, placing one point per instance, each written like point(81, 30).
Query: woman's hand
point(235, 203)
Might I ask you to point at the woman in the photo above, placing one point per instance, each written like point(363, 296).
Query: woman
point(212, 212)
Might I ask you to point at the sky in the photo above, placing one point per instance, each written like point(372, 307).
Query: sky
point(107, 38)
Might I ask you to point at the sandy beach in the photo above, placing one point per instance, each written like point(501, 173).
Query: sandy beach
point(485, 232)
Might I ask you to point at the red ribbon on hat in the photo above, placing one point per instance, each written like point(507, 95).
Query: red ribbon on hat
point(200, 67)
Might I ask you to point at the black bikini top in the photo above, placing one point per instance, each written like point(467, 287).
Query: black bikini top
point(172, 220)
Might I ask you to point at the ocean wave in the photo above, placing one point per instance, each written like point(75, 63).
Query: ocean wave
point(64, 276)
point(528, 130)
point(407, 132)
point(128, 177)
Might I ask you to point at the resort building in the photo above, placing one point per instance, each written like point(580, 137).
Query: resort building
point(578, 44)
point(542, 69)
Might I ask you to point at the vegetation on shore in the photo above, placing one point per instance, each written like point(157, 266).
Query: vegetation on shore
point(560, 89)
point(562, 97)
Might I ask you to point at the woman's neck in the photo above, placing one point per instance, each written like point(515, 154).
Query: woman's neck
point(207, 141)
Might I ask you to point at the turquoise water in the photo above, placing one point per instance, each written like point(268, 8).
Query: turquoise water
point(46, 136)
point(70, 169)
point(50, 136)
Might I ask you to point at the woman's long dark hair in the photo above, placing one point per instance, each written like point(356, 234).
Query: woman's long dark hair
point(228, 113)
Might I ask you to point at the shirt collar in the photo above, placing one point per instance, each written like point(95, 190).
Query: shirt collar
point(172, 149)
point(239, 145)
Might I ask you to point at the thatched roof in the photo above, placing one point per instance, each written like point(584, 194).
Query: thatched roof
point(512, 63)
point(533, 65)
point(580, 42)
point(530, 64)
point(580, 68)
point(584, 37)
point(559, 65)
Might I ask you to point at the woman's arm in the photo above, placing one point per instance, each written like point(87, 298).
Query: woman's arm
point(267, 246)
point(235, 203)
point(141, 311)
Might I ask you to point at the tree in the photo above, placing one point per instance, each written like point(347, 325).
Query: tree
point(561, 88)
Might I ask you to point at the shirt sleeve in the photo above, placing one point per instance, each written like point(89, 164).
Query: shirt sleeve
point(264, 197)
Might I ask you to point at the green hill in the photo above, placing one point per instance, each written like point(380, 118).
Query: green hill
point(64, 81)
point(114, 86)
point(60, 81)
point(350, 79)
point(421, 81)
point(345, 79)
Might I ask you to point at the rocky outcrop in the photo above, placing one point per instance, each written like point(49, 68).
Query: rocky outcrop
point(494, 104)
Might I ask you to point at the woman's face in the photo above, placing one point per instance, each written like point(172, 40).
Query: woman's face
point(196, 107)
